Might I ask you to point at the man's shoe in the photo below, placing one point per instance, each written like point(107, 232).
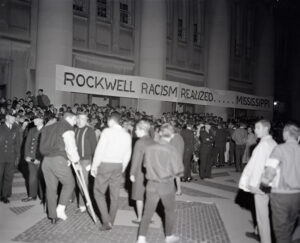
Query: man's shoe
point(183, 179)
point(5, 200)
point(80, 210)
point(28, 199)
point(253, 235)
point(189, 179)
point(105, 227)
point(135, 221)
point(54, 221)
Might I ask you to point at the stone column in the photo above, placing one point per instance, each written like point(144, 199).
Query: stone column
point(153, 50)
point(54, 46)
point(264, 69)
point(218, 50)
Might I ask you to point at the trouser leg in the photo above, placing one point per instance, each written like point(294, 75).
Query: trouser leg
point(8, 179)
point(85, 173)
point(208, 164)
point(2, 167)
point(102, 181)
point(187, 163)
point(239, 156)
point(204, 157)
point(168, 201)
point(114, 191)
point(33, 179)
point(100, 188)
point(262, 216)
point(152, 199)
point(285, 210)
point(221, 155)
point(202, 166)
point(66, 178)
point(42, 184)
point(51, 187)
point(226, 153)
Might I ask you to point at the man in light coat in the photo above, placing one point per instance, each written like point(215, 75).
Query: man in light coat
point(251, 178)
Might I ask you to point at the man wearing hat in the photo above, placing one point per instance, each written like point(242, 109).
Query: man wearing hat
point(33, 157)
point(9, 150)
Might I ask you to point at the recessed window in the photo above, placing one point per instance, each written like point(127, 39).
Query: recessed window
point(104, 10)
point(124, 13)
point(81, 7)
point(182, 20)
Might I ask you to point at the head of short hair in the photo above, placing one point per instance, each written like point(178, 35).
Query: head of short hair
point(242, 125)
point(68, 114)
point(28, 92)
point(82, 113)
point(116, 116)
point(292, 129)
point(167, 130)
point(41, 90)
point(143, 125)
point(265, 123)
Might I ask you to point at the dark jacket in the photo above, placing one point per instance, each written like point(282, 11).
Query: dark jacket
point(138, 155)
point(9, 144)
point(52, 142)
point(188, 138)
point(221, 137)
point(162, 162)
point(86, 142)
point(32, 144)
point(206, 139)
point(43, 100)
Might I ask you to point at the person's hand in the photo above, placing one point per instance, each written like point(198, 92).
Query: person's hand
point(77, 166)
point(94, 172)
point(268, 175)
point(36, 162)
point(28, 159)
point(256, 190)
point(132, 178)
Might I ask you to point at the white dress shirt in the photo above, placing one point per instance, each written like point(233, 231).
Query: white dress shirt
point(114, 146)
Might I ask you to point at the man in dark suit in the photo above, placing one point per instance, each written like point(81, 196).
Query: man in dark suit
point(42, 99)
point(188, 138)
point(9, 150)
point(206, 145)
point(220, 145)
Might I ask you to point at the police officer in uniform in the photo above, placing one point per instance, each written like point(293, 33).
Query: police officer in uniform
point(9, 151)
point(33, 157)
point(206, 145)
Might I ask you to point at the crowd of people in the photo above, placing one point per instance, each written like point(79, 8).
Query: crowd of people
point(158, 154)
